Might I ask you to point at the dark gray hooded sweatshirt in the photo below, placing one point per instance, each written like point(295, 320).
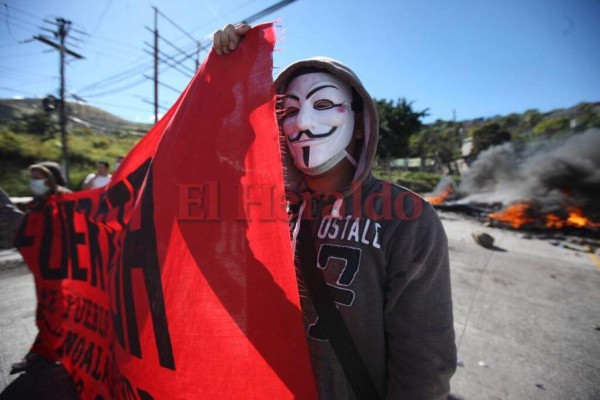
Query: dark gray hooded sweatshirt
point(384, 255)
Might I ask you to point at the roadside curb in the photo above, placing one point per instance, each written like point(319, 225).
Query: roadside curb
point(11, 259)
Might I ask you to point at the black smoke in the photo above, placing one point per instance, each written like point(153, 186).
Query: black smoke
point(553, 174)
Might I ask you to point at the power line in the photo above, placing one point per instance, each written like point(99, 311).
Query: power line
point(12, 17)
point(121, 76)
point(178, 62)
point(157, 52)
point(117, 78)
point(116, 90)
point(150, 102)
point(267, 11)
point(175, 25)
point(169, 64)
point(225, 13)
point(178, 91)
point(93, 102)
point(9, 72)
point(20, 55)
point(12, 24)
point(137, 69)
point(25, 84)
point(129, 46)
point(16, 91)
point(22, 12)
point(174, 46)
point(102, 15)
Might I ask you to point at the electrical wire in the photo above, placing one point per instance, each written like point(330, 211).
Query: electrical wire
point(22, 12)
point(93, 102)
point(16, 91)
point(135, 70)
point(12, 17)
point(102, 15)
point(120, 89)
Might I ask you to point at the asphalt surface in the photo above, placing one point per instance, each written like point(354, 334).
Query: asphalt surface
point(527, 318)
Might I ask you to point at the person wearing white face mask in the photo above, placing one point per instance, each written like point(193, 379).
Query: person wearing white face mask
point(372, 258)
point(46, 179)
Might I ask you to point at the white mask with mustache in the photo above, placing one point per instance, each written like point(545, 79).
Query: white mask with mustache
point(318, 121)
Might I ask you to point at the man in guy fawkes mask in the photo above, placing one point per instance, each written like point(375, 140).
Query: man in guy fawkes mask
point(381, 249)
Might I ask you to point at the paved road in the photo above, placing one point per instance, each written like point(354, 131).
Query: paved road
point(527, 317)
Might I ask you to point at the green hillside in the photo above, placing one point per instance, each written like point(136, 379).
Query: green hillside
point(79, 115)
point(28, 135)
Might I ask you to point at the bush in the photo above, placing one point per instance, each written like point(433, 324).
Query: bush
point(101, 143)
point(551, 126)
point(9, 145)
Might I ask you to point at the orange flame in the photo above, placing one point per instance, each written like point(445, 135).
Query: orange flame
point(440, 198)
point(516, 214)
point(576, 219)
point(519, 214)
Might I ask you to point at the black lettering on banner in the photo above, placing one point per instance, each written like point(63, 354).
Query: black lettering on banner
point(48, 301)
point(117, 197)
point(76, 238)
point(136, 178)
point(139, 251)
point(99, 219)
point(97, 273)
point(96, 371)
point(350, 256)
point(89, 358)
point(69, 302)
point(46, 270)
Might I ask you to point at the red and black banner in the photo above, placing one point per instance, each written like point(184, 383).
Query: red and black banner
point(177, 281)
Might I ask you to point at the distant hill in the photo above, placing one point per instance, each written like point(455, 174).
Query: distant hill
point(96, 135)
point(452, 145)
point(535, 123)
point(79, 115)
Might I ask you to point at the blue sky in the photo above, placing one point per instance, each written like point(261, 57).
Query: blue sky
point(477, 58)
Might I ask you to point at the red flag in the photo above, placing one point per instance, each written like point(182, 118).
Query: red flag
point(177, 280)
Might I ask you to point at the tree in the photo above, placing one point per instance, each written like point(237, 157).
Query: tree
point(440, 141)
point(488, 135)
point(397, 123)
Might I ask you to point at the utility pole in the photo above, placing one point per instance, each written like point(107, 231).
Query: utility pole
point(198, 49)
point(62, 32)
point(155, 65)
point(187, 54)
